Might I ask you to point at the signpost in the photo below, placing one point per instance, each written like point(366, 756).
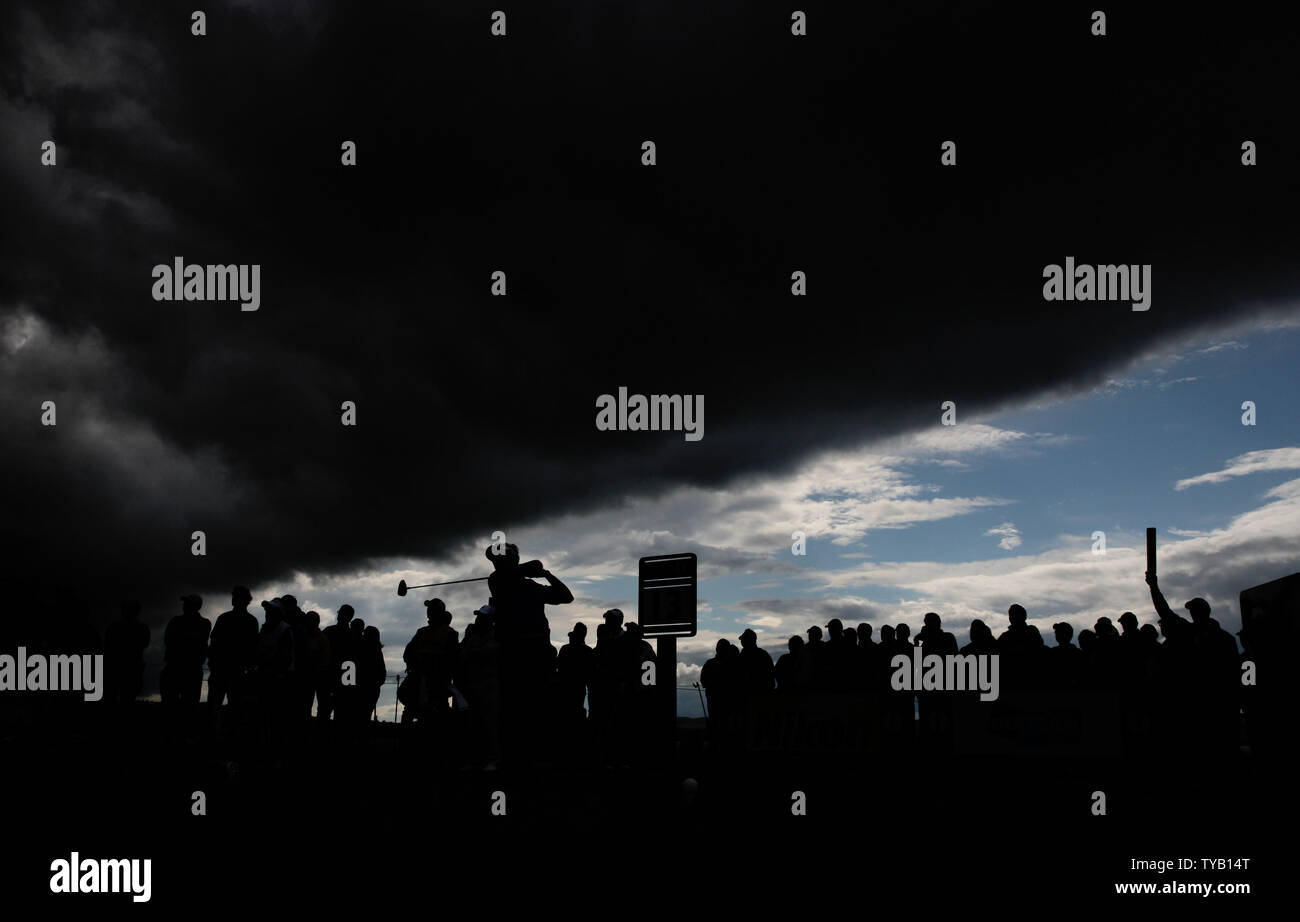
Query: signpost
point(666, 611)
point(666, 596)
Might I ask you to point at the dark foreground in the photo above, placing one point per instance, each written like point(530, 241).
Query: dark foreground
point(379, 824)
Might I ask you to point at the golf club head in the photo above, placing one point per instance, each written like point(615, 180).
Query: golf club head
point(401, 587)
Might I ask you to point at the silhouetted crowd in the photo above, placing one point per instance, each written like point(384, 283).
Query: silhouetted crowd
point(503, 691)
point(1175, 682)
point(269, 674)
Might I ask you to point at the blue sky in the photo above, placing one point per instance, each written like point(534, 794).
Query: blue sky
point(961, 520)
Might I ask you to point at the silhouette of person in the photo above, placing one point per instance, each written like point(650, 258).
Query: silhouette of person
point(1107, 655)
point(884, 653)
point(1019, 647)
point(232, 647)
point(865, 667)
point(933, 638)
point(125, 641)
point(791, 670)
point(720, 677)
point(614, 618)
point(432, 657)
point(815, 651)
point(372, 669)
point(185, 648)
point(837, 658)
point(307, 647)
point(1133, 654)
point(574, 666)
point(274, 641)
point(637, 697)
point(273, 671)
point(527, 659)
point(757, 673)
point(602, 687)
point(341, 647)
point(1065, 659)
point(935, 707)
point(1208, 672)
point(1020, 636)
point(982, 641)
point(607, 700)
point(478, 681)
point(900, 704)
point(316, 650)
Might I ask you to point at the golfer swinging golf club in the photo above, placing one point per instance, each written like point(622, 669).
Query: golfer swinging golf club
point(527, 658)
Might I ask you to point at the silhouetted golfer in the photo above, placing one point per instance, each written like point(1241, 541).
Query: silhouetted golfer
point(524, 636)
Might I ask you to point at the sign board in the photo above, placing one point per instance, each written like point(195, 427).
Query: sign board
point(666, 595)
point(1277, 601)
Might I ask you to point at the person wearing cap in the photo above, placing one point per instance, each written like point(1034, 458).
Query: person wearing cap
point(1210, 666)
point(614, 618)
point(476, 678)
point(431, 658)
point(185, 648)
point(274, 643)
point(1203, 629)
point(575, 667)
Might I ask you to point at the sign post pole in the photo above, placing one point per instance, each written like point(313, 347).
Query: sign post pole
point(666, 611)
point(666, 676)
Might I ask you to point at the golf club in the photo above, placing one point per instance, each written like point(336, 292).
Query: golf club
point(402, 587)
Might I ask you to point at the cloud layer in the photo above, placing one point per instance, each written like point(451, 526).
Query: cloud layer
point(476, 413)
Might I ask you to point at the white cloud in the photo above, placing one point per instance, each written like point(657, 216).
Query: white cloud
point(1220, 347)
point(1252, 462)
point(1009, 533)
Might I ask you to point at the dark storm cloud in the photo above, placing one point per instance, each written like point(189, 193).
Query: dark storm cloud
point(522, 154)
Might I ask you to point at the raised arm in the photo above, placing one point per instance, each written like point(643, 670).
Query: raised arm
point(556, 592)
point(1158, 600)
